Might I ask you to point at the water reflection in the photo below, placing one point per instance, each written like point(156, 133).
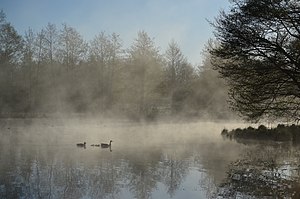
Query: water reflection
point(40, 159)
point(264, 170)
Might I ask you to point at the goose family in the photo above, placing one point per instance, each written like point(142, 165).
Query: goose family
point(103, 145)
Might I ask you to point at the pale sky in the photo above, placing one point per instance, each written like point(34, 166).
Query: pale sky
point(185, 21)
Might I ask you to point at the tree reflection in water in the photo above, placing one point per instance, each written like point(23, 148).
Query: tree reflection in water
point(173, 172)
point(265, 170)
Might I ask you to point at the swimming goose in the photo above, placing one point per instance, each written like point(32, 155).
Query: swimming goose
point(104, 145)
point(81, 144)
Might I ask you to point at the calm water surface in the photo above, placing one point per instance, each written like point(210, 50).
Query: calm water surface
point(39, 159)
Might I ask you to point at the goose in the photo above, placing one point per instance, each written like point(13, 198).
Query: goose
point(81, 144)
point(104, 145)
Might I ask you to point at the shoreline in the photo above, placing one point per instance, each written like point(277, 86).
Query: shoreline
point(285, 133)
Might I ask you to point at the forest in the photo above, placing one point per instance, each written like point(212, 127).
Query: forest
point(54, 70)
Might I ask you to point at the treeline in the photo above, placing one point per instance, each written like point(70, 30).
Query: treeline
point(56, 70)
point(279, 133)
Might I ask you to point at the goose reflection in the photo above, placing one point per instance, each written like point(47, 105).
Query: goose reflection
point(104, 145)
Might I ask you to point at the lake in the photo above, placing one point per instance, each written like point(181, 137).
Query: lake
point(39, 159)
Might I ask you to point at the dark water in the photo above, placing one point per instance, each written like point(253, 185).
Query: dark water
point(39, 159)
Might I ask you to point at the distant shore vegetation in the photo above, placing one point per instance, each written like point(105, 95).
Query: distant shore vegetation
point(279, 133)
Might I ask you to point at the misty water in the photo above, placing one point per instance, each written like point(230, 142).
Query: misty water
point(39, 159)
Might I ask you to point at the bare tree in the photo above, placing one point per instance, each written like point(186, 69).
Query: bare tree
point(258, 54)
point(29, 64)
point(51, 42)
point(11, 46)
point(146, 67)
point(72, 48)
point(179, 75)
point(105, 53)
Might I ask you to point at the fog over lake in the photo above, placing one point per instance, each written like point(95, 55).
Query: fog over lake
point(149, 99)
point(39, 159)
